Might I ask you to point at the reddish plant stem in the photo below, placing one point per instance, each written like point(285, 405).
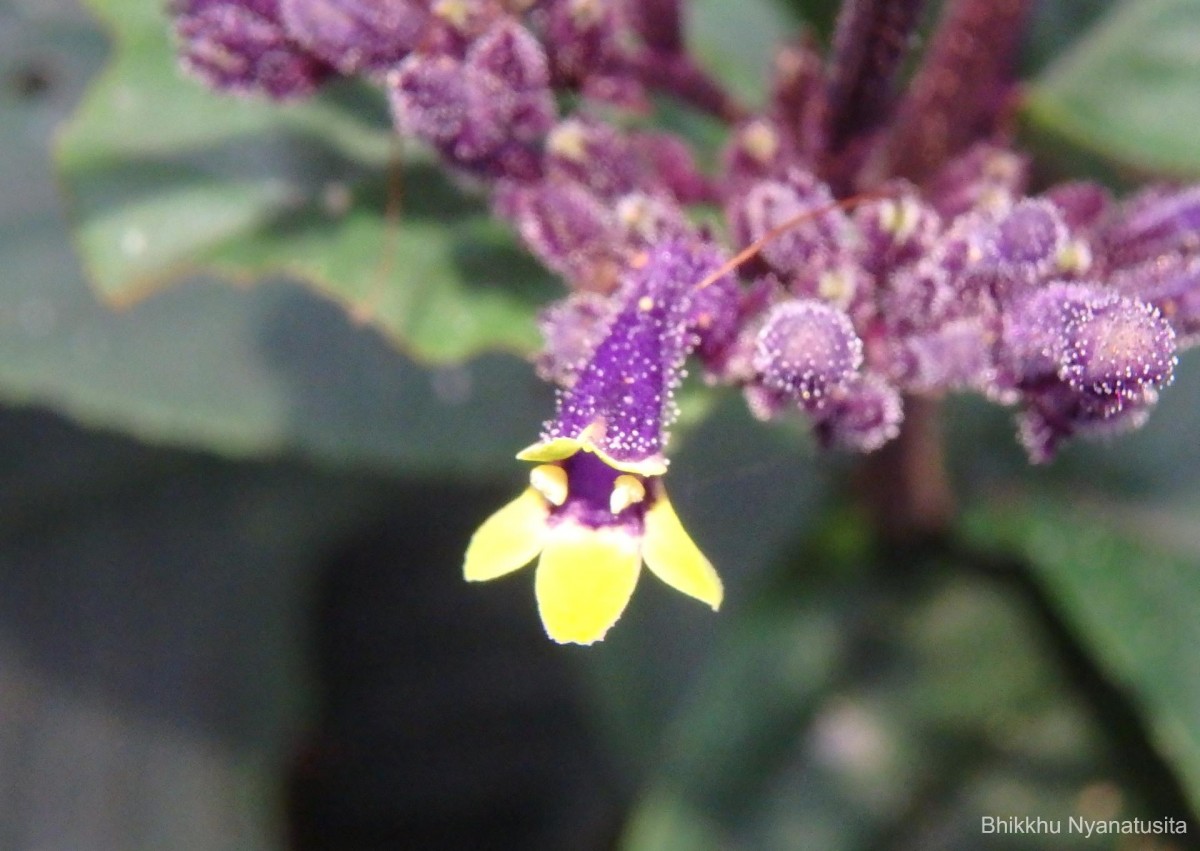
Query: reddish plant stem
point(960, 92)
point(869, 44)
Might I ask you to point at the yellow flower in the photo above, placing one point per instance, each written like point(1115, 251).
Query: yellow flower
point(591, 522)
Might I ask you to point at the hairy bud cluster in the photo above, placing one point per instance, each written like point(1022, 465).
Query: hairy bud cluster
point(1069, 306)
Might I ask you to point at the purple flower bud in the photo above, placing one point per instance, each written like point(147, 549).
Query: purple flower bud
point(1172, 284)
point(1155, 223)
point(509, 68)
point(570, 230)
point(806, 349)
point(430, 98)
point(485, 113)
point(356, 36)
point(1082, 204)
point(671, 161)
point(1119, 346)
point(860, 417)
point(1026, 243)
point(593, 154)
point(955, 356)
point(1056, 413)
point(895, 231)
point(1036, 338)
point(985, 178)
point(580, 37)
point(242, 48)
point(1090, 362)
point(571, 328)
point(814, 242)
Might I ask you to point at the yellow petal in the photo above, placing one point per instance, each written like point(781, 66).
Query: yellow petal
point(509, 539)
point(550, 450)
point(673, 556)
point(584, 580)
point(655, 465)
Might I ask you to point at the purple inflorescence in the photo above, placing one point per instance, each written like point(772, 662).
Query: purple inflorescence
point(945, 276)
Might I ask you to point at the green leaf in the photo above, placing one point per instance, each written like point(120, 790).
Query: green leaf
point(1128, 581)
point(261, 370)
point(1127, 89)
point(735, 42)
point(167, 178)
point(1053, 26)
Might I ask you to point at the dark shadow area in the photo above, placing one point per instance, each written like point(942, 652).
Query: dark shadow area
point(177, 616)
point(446, 718)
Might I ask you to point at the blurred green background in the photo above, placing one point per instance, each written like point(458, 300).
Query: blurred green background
point(230, 607)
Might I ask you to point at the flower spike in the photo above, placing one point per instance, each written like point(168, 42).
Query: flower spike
point(596, 508)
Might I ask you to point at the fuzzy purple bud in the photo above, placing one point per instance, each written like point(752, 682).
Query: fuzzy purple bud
point(509, 70)
point(985, 177)
point(861, 417)
point(806, 349)
point(570, 230)
point(242, 48)
point(810, 243)
point(1120, 346)
point(1156, 223)
point(1172, 284)
point(1026, 243)
point(1088, 360)
point(356, 36)
point(593, 154)
point(1036, 341)
point(485, 113)
point(1056, 413)
point(580, 36)
point(430, 98)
